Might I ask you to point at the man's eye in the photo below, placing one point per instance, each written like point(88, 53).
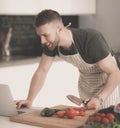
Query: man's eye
point(45, 35)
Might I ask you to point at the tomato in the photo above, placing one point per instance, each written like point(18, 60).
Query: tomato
point(80, 109)
point(82, 113)
point(98, 118)
point(110, 116)
point(105, 120)
point(70, 113)
point(118, 105)
point(90, 119)
point(61, 114)
point(102, 115)
point(77, 113)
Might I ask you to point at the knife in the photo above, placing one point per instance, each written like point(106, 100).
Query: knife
point(77, 100)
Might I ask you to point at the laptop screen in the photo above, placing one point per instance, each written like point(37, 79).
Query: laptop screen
point(7, 104)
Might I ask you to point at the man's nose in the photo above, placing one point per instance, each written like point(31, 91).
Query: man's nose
point(43, 40)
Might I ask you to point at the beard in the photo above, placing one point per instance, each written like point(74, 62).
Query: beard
point(54, 44)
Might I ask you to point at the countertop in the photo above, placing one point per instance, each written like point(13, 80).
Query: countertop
point(23, 60)
point(6, 123)
point(18, 60)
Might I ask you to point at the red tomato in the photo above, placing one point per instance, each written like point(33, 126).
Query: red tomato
point(77, 113)
point(82, 113)
point(61, 114)
point(110, 116)
point(105, 120)
point(102, 115)
point(118, 105)
point(90, 119)
point(98, 118)
point(71, 113)
point(80, 108)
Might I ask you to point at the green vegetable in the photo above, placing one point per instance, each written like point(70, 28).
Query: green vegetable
point(44, 111)
point(112, 124)
point(48, 112)
point(57, 110)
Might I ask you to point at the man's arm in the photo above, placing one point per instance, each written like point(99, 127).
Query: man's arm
point(109, 66)
point(37, 80)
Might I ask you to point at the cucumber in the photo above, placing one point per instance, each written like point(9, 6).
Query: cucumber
point(49, 112)
point(43, 112)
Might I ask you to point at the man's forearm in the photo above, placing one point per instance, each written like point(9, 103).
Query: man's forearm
point(35, 86)
point(112, 82)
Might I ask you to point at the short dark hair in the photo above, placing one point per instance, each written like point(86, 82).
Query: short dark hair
point(47, 16)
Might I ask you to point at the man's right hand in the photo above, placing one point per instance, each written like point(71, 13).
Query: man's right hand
point(23, 103)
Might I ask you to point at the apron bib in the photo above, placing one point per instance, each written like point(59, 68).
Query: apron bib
point(91, 80)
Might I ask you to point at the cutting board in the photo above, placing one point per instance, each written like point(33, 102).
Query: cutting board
point(35, 119)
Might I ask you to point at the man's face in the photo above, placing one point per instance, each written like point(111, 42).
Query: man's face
point(49, 35)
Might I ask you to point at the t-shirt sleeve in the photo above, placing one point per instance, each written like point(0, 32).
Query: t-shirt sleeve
point(97, 48)
point(48, 52)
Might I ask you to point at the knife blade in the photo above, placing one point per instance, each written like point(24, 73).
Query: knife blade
point(79, 101)
point(76, 100)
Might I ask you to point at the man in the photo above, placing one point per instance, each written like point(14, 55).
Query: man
point(85, 49)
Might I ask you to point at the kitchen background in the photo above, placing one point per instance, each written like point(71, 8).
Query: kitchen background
point(17, 70)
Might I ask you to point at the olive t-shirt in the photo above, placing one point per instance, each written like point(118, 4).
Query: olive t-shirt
point(90, 44)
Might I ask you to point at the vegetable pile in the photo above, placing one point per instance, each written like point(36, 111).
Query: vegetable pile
point(69, 113)
point(102, 120)
point(105, 118)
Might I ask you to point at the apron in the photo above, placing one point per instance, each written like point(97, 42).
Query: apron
point(91, 79)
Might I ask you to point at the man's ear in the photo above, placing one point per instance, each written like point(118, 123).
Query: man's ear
point(60, 28)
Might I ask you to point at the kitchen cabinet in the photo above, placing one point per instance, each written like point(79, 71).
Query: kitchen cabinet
point(61, 80)
point(64, 7)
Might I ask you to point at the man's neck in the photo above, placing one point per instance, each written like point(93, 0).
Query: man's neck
point(67, 39)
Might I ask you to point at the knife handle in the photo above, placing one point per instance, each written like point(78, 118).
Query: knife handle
point(85, 102)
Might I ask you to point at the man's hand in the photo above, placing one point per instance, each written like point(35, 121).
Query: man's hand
point(23, 103)
point(94, 103)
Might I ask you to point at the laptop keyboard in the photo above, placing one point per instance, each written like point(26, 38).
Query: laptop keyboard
point(20, 112)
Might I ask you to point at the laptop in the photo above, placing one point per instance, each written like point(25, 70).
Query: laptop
point(7, 104)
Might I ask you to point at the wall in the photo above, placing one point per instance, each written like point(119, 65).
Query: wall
point(59, 83)
point(107, 20)
point(23, 40)
point(60, 80)
point(32, 7)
